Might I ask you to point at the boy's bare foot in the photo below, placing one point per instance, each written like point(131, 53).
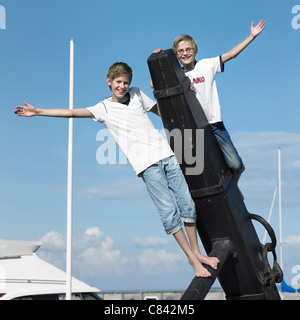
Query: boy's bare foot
point(210, 261)
point(200, 271)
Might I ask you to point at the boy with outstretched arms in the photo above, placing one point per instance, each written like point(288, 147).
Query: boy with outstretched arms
point(202, 75)
point(124, 115)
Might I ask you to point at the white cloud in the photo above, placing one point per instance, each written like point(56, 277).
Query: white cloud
point(125, 188)
point(101, 258)
point(158, 261)
point(53, 248)
point(90, 253)
point(53, 240)
point(292, 240)
point(150, 241)
point(94, 231)
point(94, 255)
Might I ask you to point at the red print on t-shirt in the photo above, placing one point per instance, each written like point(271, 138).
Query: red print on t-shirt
point(198, 80)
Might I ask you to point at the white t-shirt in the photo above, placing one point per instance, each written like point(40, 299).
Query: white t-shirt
point(132, 129)
point(202, 76)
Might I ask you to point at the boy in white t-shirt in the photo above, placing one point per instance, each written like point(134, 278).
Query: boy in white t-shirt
point(202, 76)
point(124, 115)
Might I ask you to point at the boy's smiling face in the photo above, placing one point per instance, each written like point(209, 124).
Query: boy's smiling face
point(186, 54)
point(119, 87)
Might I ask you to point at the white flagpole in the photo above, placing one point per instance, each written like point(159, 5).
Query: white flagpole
point(279, 204)
point(70, 173)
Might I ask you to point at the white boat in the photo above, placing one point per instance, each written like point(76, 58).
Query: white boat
point(25, 276)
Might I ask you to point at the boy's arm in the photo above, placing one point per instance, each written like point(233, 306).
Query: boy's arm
point(30, 111)
point(255, 31)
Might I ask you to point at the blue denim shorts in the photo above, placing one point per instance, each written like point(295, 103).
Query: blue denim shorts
point(170, 193)
point(232, 158)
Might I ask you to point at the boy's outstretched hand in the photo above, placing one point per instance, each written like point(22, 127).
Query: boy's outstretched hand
point(255, 31)
point(26, 111)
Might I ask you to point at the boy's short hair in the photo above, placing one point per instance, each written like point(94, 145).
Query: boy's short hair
point(184, 37)
point(119, 69)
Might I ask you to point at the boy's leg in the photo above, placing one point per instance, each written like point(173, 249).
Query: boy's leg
point(231, 156)
point(200, 271)
point(193, 239)
point(180, 190)
point(158, 188)
point(179, 187)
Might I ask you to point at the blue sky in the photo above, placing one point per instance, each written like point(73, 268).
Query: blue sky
point(119, 242)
